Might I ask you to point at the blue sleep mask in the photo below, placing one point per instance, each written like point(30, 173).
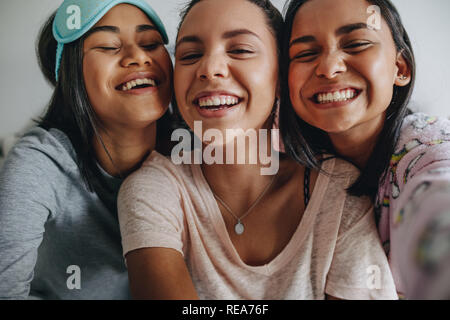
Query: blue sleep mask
point(76, 17)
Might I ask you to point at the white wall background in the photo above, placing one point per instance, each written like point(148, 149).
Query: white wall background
point(24, 92)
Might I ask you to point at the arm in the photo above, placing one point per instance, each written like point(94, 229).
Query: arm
point(25, 205)
point(160, 274)
point(152, 226)
point(415, 207)
point(420, 228)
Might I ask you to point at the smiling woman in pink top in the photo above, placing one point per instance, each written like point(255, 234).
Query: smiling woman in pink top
point(225, 231)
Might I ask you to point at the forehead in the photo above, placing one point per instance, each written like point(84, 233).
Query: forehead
point(124, 13)
point(210, 17)
point(323, 15)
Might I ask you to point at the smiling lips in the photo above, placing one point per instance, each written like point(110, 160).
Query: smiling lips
point(216, 102)
point(335, 96)
point(138, 84)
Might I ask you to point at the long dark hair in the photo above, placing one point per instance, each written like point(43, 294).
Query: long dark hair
point(306, 143)
point(70, 110)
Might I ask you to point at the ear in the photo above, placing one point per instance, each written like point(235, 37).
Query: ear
point(403, 76)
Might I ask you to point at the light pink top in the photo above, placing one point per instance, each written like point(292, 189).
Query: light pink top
point(335, 249)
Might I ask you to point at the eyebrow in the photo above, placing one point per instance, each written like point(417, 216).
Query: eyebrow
point(145, 27)
point(102, 29)
point(226, 35)
point(350, 28)
point(304, 39)
point(238, 32)
point(139, 29)
point(339, 32)
point(188, 39)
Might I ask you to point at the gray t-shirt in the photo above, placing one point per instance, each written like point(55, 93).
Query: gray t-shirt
point(58, 240)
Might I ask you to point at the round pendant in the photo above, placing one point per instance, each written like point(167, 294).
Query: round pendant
point(239, 228)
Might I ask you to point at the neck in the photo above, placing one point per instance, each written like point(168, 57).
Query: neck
point(242, 182)
point(127, 147)
point(237, 185)
point(357, 144)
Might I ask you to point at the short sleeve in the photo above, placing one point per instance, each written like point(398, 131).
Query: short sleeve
point(150, 210)
point(359, 269)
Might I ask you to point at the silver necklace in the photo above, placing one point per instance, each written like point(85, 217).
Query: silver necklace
point(239, 226)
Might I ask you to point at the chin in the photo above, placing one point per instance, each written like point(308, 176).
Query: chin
point(335, 128)
point(146, 118)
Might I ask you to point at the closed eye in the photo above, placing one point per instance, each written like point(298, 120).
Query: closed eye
point(107, 48)
point(240, 51)
point(357, 47)
point(305, 56)
point(190, 58)
point(152, 46)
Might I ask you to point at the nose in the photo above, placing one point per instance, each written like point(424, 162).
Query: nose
point(211, 67)
point(135, 56)
point(331, 64)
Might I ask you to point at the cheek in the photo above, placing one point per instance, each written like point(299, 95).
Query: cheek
point(91, 82)
point(181, 82)
point(183, 78)
point(296, 82)
point(167, 68)
point(378, 70)
point(297, 78)
point(88, 74)
point(166, 64)
point(261, 86)
point(96, 74)
point(97, 78)
point(261, 83)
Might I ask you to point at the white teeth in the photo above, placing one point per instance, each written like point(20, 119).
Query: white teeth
point(336, 96)
point(134, 83)
point(349, 94)
point(217, 101)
